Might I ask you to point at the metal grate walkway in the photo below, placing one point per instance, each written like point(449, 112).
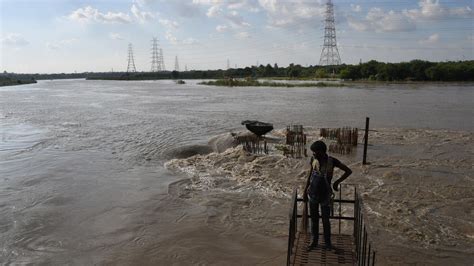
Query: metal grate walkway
point(343, 255)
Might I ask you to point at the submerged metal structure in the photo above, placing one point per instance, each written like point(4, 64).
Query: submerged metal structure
point(295, 141)
point(330, 53)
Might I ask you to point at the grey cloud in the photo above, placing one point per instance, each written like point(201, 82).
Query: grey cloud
point(90, 14)
point(14, 39)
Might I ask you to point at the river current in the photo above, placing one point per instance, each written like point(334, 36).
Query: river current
point(82, 176)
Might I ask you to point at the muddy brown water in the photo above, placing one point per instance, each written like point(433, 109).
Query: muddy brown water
point(82, 179)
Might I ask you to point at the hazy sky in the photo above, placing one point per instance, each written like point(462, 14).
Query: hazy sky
point(66, 36)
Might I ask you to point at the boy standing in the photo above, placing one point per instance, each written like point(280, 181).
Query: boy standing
point(318, 190)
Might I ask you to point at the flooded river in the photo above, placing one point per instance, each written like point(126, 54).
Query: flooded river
point(82, 176)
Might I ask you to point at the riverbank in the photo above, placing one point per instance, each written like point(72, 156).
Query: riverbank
point(418, 193)
point(256, 83)
point(11, 81)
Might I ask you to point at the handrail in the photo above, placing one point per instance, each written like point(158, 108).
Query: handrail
point(365, 253)
point(293, 225)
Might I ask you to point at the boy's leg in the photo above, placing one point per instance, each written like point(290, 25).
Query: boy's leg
point(325, 213)
point(314, 211)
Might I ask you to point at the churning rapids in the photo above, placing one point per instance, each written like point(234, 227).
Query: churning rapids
point(83, 178)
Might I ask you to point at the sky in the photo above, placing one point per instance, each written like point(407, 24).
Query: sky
point(64, 36)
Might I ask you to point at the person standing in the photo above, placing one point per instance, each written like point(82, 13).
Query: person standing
point(319, 191)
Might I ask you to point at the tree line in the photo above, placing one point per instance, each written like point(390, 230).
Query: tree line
point(415, 70)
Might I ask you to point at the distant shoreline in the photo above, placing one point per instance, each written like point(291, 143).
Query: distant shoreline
point(13, 82)
point(256, 83)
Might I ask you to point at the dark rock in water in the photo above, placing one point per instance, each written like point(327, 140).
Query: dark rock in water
point(223, 142)
point(257, 127)
point(188, 151)
point(217, 144)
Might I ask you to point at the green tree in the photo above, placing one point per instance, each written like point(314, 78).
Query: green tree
point(321, 73)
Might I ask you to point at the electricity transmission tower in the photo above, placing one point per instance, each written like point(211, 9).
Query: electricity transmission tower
point(176, 64)
point(161, 61)
point(330, 54)
point(228, 64)
point(131, 62)
point(155, 57)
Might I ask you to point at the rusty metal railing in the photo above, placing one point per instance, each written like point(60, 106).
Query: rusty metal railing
point(365, 253)
point(293, 225)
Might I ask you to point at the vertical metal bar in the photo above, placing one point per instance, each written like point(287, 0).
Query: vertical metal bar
point(368, 257)
point(355, 211)
point(356, 220)
point(292, 231)
point(296, 211)
point(366, 139)
point(360, 233)
point(364, 254)
point(373, 258)
point(340, 206)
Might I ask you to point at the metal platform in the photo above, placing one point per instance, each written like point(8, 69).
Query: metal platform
point(344, 254)
point(350, 249)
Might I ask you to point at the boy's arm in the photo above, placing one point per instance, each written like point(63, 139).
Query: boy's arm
point(305, 192)
point(347, 173)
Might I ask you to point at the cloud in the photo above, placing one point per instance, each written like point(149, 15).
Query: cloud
point(141, 16)
point(248, 5)
point(186, 8)
point(206, 2)
point(291, 46)
point(175, 41)
point(115, 36)
point(144, 2)
point(284, 13)
point(214, 11)
point(169, 23)
point(221, 28)
point(171, 38)
point(52, 46)
point(228, 11)
point(430, 40)
point(236, 20)
point(232, 17)
point(57, 45)
point(356, 8)
point(242, 35)
point(14, 39)
point(89, 14)
point(380, 21)
point(190, 41)
point(433, 10)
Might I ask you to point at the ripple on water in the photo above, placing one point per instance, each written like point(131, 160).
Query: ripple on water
point(19, 137)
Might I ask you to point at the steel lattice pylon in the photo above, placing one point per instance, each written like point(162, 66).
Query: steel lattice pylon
point(162, 60)
point(176, 64)
point(155, 57)
point(131, 61)
point(330, 53)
